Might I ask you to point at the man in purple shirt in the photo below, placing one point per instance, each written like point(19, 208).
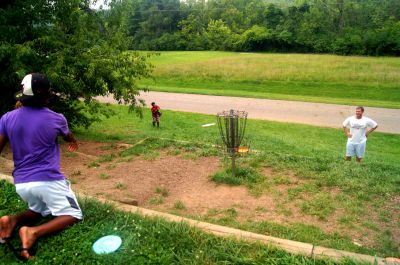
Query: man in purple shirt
point(32, 131)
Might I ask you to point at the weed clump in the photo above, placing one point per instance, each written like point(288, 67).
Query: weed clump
point(243, 176)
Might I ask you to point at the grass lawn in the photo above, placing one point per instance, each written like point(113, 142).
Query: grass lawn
point(355, 197)
point(144, 241)
point(349, 80)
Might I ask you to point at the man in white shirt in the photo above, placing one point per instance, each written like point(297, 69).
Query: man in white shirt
point(360, 128)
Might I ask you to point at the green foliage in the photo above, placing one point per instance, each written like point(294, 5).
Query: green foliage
point(105, 158)
point(81, 51)
point(149, 145)
point(321, 206)
point(121, 186)
point(192, 31)
point(156, 200)
point(93, 164)
point(151, 25)
point(179, 205)
point(254, 39)
point(104, 176)
point(162, 191)
point(364, 27)
point(218, 35)
point(10, 203)
point(243, 175)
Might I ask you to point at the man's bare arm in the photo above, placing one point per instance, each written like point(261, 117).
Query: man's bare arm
point(370, 131)
point(347, 132)
point(3, 141)
point(73, 144)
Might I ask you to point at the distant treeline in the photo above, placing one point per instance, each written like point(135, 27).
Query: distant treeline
point(360, 27)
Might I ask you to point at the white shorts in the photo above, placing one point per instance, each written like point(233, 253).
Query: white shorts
point(353, 149)
point(50, 197)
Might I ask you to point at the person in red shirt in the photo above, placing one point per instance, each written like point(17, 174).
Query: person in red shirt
point(156, 114)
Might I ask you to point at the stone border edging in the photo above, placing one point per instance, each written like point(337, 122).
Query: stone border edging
point(293, 247)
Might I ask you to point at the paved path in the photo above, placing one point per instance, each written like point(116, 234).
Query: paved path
point(327, 115)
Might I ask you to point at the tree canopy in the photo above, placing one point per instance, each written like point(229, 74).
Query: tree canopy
point(360, 27)
point(81, 50)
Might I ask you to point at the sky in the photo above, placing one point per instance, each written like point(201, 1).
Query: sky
point(98, 4)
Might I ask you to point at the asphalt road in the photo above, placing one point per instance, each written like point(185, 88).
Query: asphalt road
point(326, 115)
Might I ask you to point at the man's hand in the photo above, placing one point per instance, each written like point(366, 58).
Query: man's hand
point(72, 143)
point(72, 146)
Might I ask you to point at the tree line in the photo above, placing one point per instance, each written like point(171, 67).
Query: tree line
point(357, 27)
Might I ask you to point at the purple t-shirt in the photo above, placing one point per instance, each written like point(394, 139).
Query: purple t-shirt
point(33, 133)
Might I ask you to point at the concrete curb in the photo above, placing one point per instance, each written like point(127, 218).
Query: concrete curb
point(294, 247)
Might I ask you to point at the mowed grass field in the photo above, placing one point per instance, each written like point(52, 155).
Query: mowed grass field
point(355, 202)
point(349, 80)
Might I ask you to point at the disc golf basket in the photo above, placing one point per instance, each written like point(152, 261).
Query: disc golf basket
point(232, 126)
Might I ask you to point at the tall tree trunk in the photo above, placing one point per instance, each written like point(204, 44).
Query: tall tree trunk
point(340, 6)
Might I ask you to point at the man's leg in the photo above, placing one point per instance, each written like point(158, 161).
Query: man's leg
point(52, 197)
point(8, 223)
point(29, 235)
point(360, 151)
point(350, 151)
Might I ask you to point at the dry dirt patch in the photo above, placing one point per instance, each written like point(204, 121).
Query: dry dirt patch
point(184, 180)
